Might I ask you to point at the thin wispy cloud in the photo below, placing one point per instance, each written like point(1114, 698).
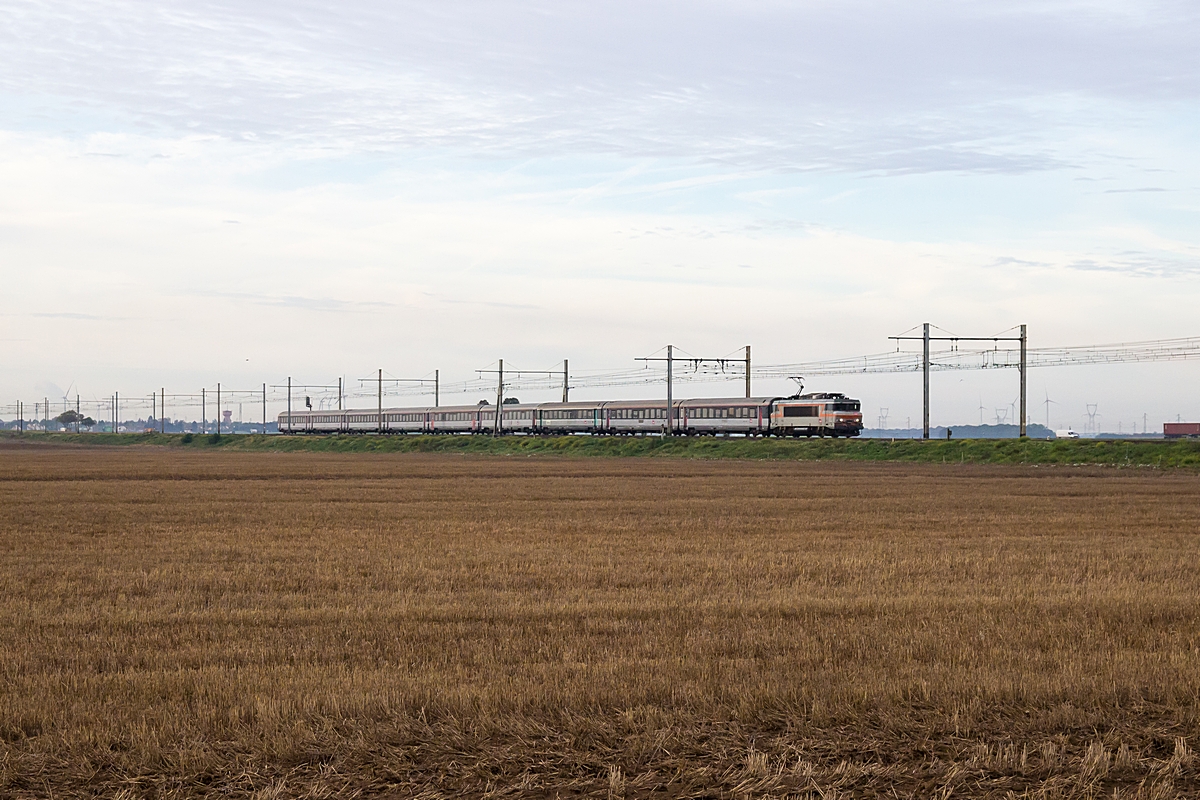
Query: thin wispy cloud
point(827, 86)
point(323, 304)
point(73, 315)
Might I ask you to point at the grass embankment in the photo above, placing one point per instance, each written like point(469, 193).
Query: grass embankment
point(205, 623)
point(1140, 453)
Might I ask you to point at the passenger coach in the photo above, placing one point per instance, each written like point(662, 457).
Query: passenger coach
point(817, 414)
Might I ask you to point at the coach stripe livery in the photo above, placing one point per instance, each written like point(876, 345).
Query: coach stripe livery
point(818, 414)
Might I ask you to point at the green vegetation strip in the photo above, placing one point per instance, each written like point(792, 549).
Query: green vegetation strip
point(1151, 453)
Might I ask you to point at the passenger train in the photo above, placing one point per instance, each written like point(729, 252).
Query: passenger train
point(814, 414)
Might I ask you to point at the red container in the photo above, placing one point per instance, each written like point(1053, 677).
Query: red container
point(1173, 430)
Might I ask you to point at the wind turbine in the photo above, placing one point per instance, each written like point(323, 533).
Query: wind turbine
point(1048, 402)
point(67, 402)
point(981, 409)
point(67, 396)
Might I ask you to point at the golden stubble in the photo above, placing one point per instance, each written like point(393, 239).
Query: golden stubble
point(177, 623)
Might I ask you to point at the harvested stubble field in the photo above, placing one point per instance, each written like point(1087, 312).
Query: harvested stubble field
point(189, 623)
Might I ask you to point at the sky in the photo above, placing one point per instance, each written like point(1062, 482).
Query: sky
point(244, 192)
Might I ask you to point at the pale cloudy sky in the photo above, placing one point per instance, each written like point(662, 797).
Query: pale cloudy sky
point(200, 192)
